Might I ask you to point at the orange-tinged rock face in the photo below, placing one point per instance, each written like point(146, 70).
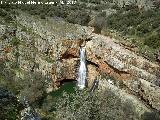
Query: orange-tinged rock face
point(7, 49)
point(72, 43)
point(123, 64)
point(92, 74)
point(65, 69)
point(71, 53)
point(105, 68)
point(66, 52)
point(118, 61)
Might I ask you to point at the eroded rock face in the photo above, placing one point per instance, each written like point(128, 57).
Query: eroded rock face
point(61, 41)
point(151, 93)
point(92, 74)
point(127, 101)
point(52, 48)
point(137, 73)
point(104, 49)
point(64, 70)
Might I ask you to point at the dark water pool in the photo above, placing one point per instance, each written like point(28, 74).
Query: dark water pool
point(68, 87)
point(49, 102)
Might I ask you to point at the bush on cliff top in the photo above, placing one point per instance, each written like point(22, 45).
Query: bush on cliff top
point(138, 24)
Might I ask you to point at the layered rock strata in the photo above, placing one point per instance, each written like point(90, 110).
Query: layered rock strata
point(52, 48)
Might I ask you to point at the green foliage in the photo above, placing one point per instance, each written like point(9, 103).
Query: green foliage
point(42, 15)
point(29, 84)
point(95, 1)
point(92, 1)
point(7, 77)
point(78, 17)
point(100, 105)
point(9, 107)
point(68, 12)
point(15, 41)
point(153, 40)
point(3, 13)
point(143, 22)
point(142, 25)
point(83, 105)
point(48, 59)
point(6, 15)
point(152, 115)
point(99, 22)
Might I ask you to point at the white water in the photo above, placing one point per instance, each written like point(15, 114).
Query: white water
point(82, 69)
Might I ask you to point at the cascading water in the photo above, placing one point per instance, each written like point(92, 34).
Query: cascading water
point(82, 69)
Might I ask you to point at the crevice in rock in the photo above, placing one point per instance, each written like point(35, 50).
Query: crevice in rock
point(104, 67)
point(88, 39)
point(139, 96)
point(92, 63)
point(66, 81)
point(68, 56)
point(70, 53)
point(142, 98)
point(116, 70)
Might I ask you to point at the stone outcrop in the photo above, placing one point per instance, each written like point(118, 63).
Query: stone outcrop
point(103, 50)
point(52, 48)
point(126, 99)
point(137, 73)
point(62, 41)
point(151, 93)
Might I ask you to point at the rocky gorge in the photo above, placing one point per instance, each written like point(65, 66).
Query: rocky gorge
point(47, 52)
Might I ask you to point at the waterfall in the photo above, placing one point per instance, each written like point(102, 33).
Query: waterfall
point(82, 69)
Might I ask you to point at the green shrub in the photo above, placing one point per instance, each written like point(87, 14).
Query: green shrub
point(42, 15)
point(7, 16)
point(3, 12)
point(15, 41)
point(153, 41)
point(97, 106)
point(78, 17)
point(8, 105)
point(140, 24)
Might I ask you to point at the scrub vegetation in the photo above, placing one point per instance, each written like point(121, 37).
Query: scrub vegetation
point(135, 21)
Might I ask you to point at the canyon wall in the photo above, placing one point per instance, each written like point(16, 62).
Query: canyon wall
point(51, 48)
